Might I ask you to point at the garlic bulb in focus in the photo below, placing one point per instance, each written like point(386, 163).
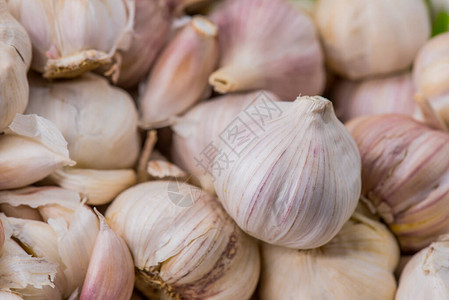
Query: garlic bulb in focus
point(359, 260)
point(268, 164)
point(31, 149)
point(198, 129)
point(151, 25)
point(393, 94)
point(99, 121)
point(15, 51)
point(367, 38)
point(183, 243)
point(179, 76)
point(265, 44)
point(72, 37)
point(426, 275)
point(405, 175)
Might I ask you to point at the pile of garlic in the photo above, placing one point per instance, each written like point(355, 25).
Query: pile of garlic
point(190, 149)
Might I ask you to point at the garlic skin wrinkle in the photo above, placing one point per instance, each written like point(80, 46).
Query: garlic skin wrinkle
point(359, 260)
point(183, 243)
point(350, 31)
point(15, 51)
point(266, 44)
point(265, 187)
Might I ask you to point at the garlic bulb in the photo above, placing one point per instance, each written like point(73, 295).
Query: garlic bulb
point(151, 24)
point(99, 186)
point(31, 149)
point(111, 269)
point(368, 38)
point(265, 44)
point(426, 275)
point(392, 94)
point(98, 121)
point(179, 76)
point(267, 165)
point(405, 175)
point(183, 243)
point(15, 51)
point(358, 262)
point(195, 132)
point(72, 37)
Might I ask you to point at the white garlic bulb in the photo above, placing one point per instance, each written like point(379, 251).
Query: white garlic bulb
point(426, 275)
point(15, 52)
point(183, 243)
point(72, 37)
point(99, 121)
point(357, 263)
point(291, 178)
point(266, 44)
point(367, 38)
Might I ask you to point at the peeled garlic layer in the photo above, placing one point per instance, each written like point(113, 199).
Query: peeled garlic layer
point(405, 175)
point(426, 275)
point(15, 52)
point(99, 121)
point(368, 38)
point(179, 76)
point(31, 149)
point(183, 243)
point(266, 44)
point(265, 174)
point(198, 129)
point(358, 262)
point(72, 37)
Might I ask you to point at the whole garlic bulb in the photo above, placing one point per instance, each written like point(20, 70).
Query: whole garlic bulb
point(426, 275)
point(267, 167)
point(358, 262)
point(72, 37)
point(405, 175)
point(183, 243)
point(15, 52)
point(98, 121)
point(179, 76)
point(265, 44)
point(199, 128)
point(392, 94)
point(368, 38)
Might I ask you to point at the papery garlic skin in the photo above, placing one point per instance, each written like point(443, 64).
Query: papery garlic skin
point(99, 121)
point(183, 243)
point(151, 24)
point(15, 51)
point(202, 125)
point(111, 269)
point(66, 36)
point(266, 44)
point(392, 94)
point(265, 187)
point(426, 275)
point(179, 76)
point(351, 29)
point(405, 175)
point(359, 260)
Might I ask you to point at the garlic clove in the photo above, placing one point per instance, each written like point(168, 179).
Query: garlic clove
point(111, 269)
point(282, 55)
point(8, 295)
point(162, 169)
point(351, 29)
point(31, 149)
point(180, 74)
point(99, 186)
point(301, 144)
point(21, 211)
point(359, 260)
point(196, 132)
point(99, 121)
point(183, 243)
